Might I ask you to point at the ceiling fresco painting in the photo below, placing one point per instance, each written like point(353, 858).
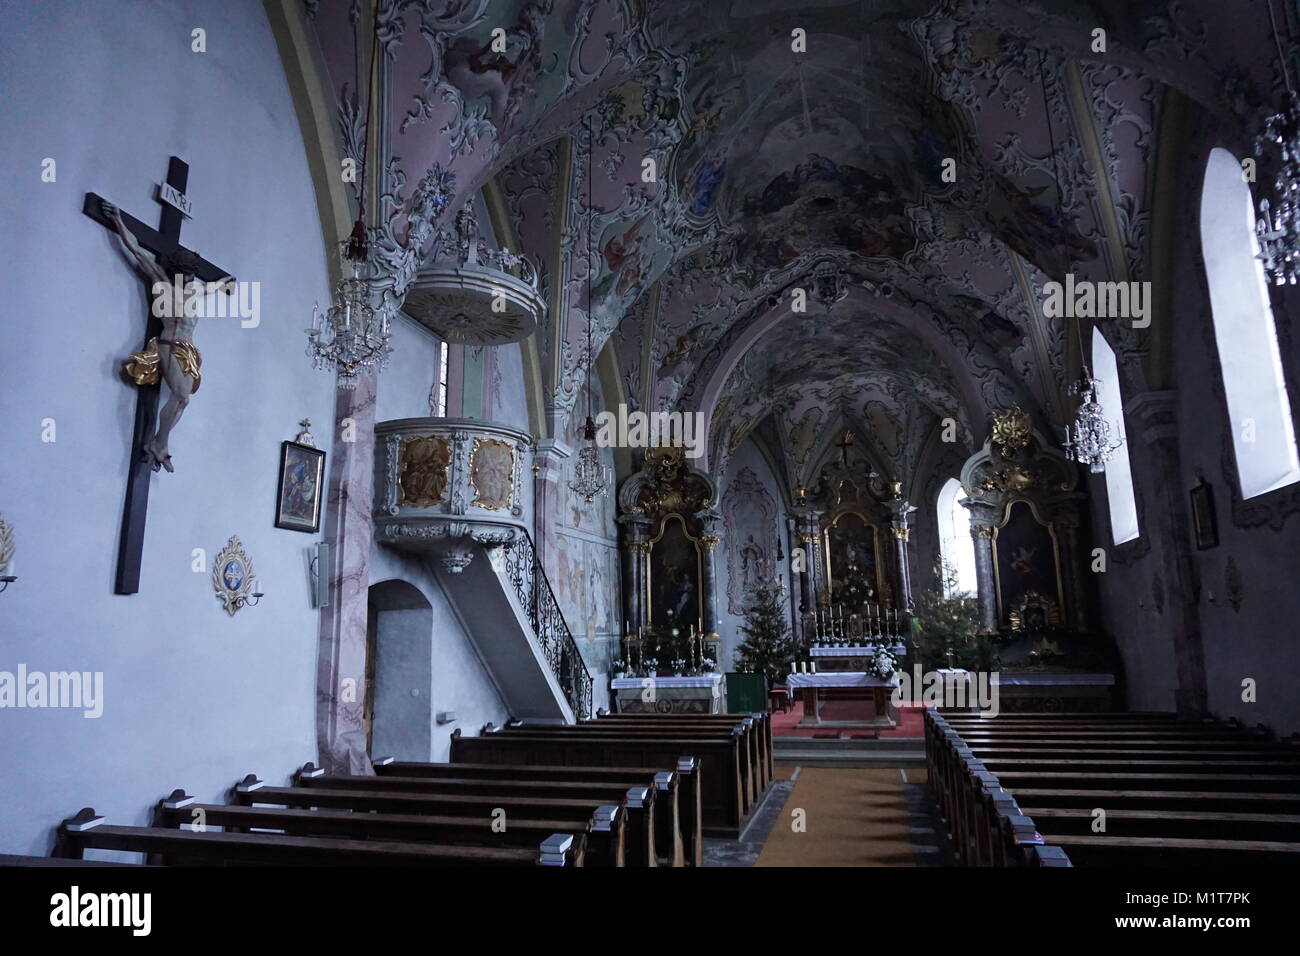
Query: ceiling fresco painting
point(920, 169)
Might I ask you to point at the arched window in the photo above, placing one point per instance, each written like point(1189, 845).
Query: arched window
point(1119, 470)
point(1263, 435)
point(955, 545)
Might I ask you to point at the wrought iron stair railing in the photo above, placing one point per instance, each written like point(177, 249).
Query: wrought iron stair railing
point(533, 590)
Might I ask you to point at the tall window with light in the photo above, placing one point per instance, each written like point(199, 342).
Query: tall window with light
point(1119, 469)
point(956, 548)
point(1259, 409)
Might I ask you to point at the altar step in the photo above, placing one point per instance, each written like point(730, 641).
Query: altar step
point(846, 752)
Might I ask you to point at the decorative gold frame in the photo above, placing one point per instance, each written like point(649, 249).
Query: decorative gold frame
point(1056, 554)
point(649, 564)
point(232, 598)
point(479, 501)
point(441, 458)
point(826, 549)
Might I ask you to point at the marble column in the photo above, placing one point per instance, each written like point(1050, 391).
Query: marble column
point(548, 496)
point(900, 511)
point(347, 525)
point(636, 553)
point(982, 518)
point(796, 584)
point(1167, 521)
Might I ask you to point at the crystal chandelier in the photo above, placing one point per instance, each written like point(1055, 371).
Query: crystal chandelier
point(1278, 226)
point(591, 477)
point(350, 337)
point(1090, 442)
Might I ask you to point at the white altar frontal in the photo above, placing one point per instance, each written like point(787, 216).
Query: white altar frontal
point(701, 694)
point(877, 694)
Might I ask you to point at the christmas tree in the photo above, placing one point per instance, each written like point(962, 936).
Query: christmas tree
point(768, 647)
point(949, 621)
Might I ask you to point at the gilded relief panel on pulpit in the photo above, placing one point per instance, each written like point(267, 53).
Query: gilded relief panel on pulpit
point(423, 471)
point(491, 472)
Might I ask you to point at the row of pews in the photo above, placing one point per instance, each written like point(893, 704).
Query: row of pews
point(615, 791)
point(1139, 789)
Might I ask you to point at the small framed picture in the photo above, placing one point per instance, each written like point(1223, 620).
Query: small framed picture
point(302, 478)
point(1204, 526)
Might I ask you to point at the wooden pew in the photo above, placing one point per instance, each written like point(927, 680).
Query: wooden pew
point(642, 796)
point(687, 846)
point(762, 721)
point(87, 831)
point(1100, 850)
point(604, 832)
point(1195, 824)
point(252, 791)
point(1172, 792)
point(747, 750)
point(719, 761)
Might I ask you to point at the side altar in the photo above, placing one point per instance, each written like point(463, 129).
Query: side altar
point(687, 694)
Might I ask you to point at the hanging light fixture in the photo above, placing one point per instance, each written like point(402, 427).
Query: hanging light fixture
point(591, 477)
point(351, 337)
point(1278, 226)
point(1088, 441)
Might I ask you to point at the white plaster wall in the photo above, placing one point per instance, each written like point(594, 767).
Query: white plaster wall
point(413, 368)
point(459, 680)
point(747, 456)
point(193, 698)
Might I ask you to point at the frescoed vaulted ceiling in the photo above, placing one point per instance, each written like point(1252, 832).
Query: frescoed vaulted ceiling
point(683, 166)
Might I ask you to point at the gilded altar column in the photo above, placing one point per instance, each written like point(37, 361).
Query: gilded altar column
point(807, 530)
point(981, 531)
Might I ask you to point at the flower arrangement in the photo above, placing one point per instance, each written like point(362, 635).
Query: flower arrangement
point(619, 667)
point(651, 665)
point(679, 665)
point(708, 665)
point(883, 664)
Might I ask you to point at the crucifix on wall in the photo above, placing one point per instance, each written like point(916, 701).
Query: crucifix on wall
point(168, 353)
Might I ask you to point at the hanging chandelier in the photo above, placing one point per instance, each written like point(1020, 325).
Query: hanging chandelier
point(1278, 226)
point(591, 477)
point(1089, 442)
point(350, 337)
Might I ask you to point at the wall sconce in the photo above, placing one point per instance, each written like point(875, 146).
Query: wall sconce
point(7, 547)
point(320, 583)
point(249, 601)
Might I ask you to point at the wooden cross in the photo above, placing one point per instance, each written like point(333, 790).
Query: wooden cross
point(163, 241)
point(844, 444)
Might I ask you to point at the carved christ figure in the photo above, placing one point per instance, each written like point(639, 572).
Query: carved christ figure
point(171, 356)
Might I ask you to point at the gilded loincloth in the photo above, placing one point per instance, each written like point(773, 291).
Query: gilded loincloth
point(142, 367)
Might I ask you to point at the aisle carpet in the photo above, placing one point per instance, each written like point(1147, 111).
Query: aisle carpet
point(853, 818)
